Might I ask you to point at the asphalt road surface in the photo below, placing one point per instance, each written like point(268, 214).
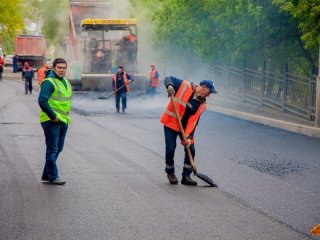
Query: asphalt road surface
point(269, 181)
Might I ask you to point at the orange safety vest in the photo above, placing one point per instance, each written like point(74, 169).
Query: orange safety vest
point(41, 75)
point(181, 98)
point(125, 79)
point(154, 81)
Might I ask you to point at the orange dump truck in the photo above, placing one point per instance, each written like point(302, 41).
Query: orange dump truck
point(31, 49)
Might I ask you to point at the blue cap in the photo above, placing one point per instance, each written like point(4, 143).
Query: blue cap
point(209, 84)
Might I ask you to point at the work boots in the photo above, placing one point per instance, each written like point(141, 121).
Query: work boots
point(188, 181)
point(172, 178)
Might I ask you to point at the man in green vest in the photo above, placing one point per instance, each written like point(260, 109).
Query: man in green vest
point(55, 103)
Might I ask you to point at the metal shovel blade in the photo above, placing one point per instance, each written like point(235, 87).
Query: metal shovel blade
point(206, 179)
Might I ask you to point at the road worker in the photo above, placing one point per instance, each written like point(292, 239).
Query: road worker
point(154, 80)
point(27, 75)
point(120, 79)
point(190, 101)
point(42, 73)
point(55, 103)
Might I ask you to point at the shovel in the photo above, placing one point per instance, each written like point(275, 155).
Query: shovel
point(114, 92)
point(199, 175)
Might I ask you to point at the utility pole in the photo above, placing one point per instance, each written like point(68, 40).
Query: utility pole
point(317, 122)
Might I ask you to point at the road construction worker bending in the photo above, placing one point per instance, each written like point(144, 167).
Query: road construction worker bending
point(154, 80)
point(55, 103)
point(120, 86)
point(190, 102)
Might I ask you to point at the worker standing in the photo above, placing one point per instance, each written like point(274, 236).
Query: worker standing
point(1, 67)
point(42, 73)
point(154, 80)
point(120, 86)
point(190, 102)
point(55, 103)
point(27, 76)
point(15, 63)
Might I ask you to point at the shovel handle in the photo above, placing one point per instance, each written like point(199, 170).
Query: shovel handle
point(115, 91)
point(183, 135)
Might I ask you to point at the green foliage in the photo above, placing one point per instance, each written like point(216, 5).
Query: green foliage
point(231, 31)
point(54, 16)
point(307, 12)
point(11, 22)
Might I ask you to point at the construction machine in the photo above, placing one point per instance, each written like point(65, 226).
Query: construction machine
point(99, 45)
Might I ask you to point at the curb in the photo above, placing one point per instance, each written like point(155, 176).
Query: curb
point(289, 126)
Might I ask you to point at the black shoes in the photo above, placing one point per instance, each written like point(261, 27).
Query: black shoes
point(188, 181)
point(45, 179)
point(172, 178)
point(185, 180)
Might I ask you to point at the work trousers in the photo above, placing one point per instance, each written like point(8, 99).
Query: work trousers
point(171, 144)
point(28, 85)
point(151, 90)
point(55, 134)
point(123, 97)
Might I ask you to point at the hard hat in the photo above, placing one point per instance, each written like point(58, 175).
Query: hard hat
point(152, 65)
point(209, 84)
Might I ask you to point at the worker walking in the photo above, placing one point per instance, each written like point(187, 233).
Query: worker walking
point(190, 102)
point(42, 72)
point(27, 76)
point(120, 86)
point(154, 80)
point(55, 103)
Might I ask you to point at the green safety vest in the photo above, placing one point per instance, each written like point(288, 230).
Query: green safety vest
point(59, 101)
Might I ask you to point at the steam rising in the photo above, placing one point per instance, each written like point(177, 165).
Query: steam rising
point(184, 67)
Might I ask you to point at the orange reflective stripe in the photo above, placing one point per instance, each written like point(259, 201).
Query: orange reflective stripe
point(154, 81)
point(180, 99)
point(192, 122)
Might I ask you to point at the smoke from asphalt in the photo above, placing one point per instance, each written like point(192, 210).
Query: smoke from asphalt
point(186, 66)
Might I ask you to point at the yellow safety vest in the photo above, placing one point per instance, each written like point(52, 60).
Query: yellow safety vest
point(59, 101)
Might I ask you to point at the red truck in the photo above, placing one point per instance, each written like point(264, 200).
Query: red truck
point(31, 49)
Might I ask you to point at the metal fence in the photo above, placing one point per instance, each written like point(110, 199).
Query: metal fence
point(284, 92)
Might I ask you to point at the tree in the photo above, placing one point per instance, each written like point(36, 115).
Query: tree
point(308, 14)
point(54, 17)
point(11, 21)
point(220, 32)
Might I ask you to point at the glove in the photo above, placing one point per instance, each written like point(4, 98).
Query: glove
point(170, 91)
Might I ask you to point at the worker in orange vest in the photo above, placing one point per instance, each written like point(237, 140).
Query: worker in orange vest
point(154, 80)
point(42, 73)
point(190, 102)
point(120, 86)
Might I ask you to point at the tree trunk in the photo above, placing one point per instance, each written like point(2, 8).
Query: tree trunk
point(317, 122)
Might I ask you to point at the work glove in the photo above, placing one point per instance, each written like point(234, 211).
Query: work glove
point(170, 91)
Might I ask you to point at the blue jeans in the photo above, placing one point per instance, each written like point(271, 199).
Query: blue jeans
point(55, 134)
point(28, 85)
point(123, 96)
point(171, 144)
